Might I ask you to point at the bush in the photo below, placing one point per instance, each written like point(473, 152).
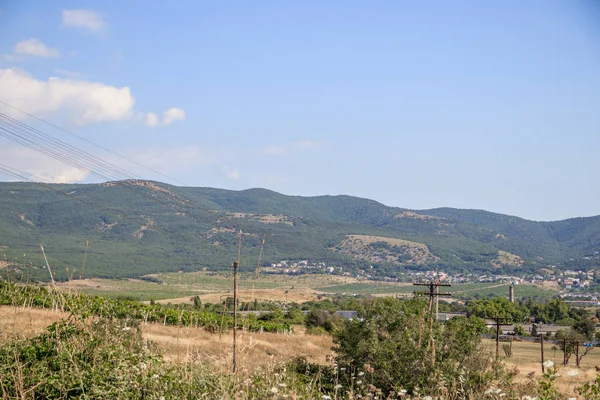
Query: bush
point(392, 345)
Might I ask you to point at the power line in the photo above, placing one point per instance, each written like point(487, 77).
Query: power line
point(39, 141)
point(92, 143)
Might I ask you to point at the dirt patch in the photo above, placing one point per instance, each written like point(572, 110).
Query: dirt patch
point(506, 258)
point(147, 226)
point(384, 249)
point(414, 215)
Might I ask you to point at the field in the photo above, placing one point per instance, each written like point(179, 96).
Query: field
point(526, 357)
point(211, 287)
point(183, 344)
point(263, 350)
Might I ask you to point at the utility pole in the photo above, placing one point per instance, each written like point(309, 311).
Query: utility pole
point(498, 321)
point(235, 269)
point(542, 350)
point(433, 294)
point(235, 287)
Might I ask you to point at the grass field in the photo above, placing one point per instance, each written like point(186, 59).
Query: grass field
point(184, 344)
point(526, 358)
point(261, 350)
point(211, 286)
point(462, 291)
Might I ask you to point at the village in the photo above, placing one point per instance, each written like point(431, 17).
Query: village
point(574, 286)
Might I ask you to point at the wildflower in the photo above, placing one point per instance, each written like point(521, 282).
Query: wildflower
point(548, 364)
point(358, 382)
point(402, 392)
point(338, 386)
point(325, 397)
point(427, 398)
point(274, 390)
point(361, 373)
point(126, 329)
point(573, 373)
point(282, 385)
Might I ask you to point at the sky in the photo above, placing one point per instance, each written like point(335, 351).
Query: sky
point(489, 105)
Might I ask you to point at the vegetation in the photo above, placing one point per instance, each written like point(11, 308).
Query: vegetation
point(41, 297)
point(135, 228)
point(388, 352)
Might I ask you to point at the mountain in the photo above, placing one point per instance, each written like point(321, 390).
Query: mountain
point(138, 227)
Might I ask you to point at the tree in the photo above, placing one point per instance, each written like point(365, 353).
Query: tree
point(519, 330)
point(321, 319)
point(392, 337)
point(497, 307)
point(534, 331)
point(557, 310)
point(197, 302)
point(586, 327)
point(570, 343)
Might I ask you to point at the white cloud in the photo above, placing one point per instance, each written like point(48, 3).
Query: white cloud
point(172, 115)
point(39, 165)
point(82, 101)
point(86, 19)
point(33, 47)
point(152, 119)
point(292, 147)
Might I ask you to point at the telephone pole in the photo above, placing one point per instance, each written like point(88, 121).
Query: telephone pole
point(235, 268)
point(498, 321)
point(434, 294)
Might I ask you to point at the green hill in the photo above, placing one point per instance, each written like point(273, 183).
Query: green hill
point(140, 227)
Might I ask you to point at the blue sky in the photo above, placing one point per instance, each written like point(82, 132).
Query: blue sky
point(491, 105)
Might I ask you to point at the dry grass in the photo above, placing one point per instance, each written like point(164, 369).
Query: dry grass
point(296, 295)
point(255, 350)
point(182, 344)
point(19, 322)
point(526, 357)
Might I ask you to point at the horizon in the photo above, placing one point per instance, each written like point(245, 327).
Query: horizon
point(484, 106)
point(419, 210)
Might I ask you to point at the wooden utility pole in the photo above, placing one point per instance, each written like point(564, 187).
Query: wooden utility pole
point(235, 269)
point(235, 287)
point(542, 351)
point(498, 321)
point(433, 294)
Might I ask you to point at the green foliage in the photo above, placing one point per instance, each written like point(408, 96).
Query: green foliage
point(498, 307)
point(318, 318)
point(195, 227)
point(35, 296)
point(392, 338)
point(546, 386)
point(590, 390)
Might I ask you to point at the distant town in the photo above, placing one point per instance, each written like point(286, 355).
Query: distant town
point(576, 286)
